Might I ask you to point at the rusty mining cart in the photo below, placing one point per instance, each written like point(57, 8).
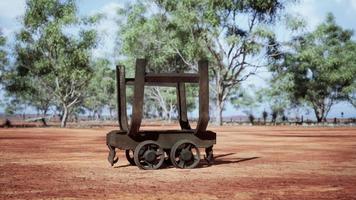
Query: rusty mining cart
point(150, 149)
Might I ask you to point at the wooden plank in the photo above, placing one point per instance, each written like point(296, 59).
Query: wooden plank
point(121, 98)
point(203, 97)
point(182, 107)
point(137, 107)
point(172, 78)
point(131, 81)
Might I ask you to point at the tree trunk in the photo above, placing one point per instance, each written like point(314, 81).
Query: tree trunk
point(319, 114)
point(44, 113)
point(165, 112)
point(219, 100)
point(110, 113)
point(171, 108)
point(64, 117)
point(219, 110)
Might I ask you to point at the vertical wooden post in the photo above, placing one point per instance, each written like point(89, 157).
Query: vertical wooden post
point(203, 97)
point(182, 107)
point(121, 97)
point(138, 96)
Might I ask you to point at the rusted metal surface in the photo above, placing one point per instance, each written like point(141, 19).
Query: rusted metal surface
point(183, 142)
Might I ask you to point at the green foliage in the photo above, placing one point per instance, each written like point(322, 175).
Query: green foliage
point(230, 34)
point(11, 106)
point(320, 69)
point(295, 23)
point(52, 61)
point(152, 36)
point(227, 33)
point(160, 41)
point(101, 88)
point(244, 99)
point(3, 56)
point(275, 97)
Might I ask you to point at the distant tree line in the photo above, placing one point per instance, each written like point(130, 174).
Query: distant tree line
point(53, 69)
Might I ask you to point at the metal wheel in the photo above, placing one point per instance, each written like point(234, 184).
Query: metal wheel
point(185, 155)
point(149, 155)
point(130, 156)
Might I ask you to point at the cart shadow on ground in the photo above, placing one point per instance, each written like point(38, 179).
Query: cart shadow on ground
point(220, 160)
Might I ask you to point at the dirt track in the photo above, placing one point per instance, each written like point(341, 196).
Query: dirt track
point(251, 163)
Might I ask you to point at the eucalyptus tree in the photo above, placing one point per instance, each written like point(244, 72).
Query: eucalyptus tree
point(3, 55)
point(101, 89)
point(233, 35)
point(349, 94)
point(145, 34)
point(3, 61)
point(19, 90)
point(53, 52)
point(319, 67)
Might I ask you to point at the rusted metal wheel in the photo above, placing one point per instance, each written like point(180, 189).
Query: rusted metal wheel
point(149, 155)
point(185, 155)
point(130, 156)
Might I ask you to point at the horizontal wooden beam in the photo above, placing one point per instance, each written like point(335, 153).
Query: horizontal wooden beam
point(166, 79)
point(172, 78)
point(131, 81)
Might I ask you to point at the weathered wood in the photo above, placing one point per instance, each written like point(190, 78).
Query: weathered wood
point(131, 81)
point(130, 138)
point(166, 79)
point(182, 107)
point(121, 98)
point(172, 78)
point(137, 107)
point(203, 97)
point(166, 138)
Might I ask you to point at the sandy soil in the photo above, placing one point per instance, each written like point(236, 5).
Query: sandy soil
point(251, 163)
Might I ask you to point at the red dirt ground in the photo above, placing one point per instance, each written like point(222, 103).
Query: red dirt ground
point(251, 163)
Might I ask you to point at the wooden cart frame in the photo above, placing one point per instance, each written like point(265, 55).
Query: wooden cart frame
point(151, 149)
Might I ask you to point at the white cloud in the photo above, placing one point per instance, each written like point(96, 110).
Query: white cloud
point(107, 29)
point(9, 13)
point(11, 9)
point(353, 4)
point(6, 31)
point(308, 10)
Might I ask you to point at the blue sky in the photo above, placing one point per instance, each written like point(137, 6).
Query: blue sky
point(313, 11)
